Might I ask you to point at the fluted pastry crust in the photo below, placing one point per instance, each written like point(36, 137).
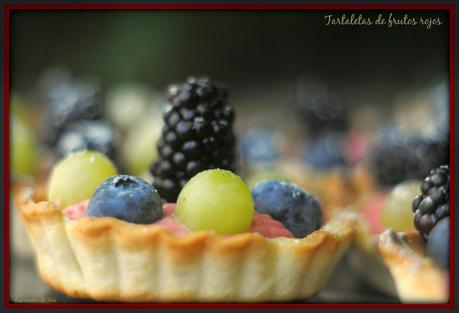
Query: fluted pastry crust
point(396, 263)
point(112, 260)
point(366, 262)
point(416, 277)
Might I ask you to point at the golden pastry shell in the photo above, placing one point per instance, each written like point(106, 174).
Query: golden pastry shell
point(108, 259)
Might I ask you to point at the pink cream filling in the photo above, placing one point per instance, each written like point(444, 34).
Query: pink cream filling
point(262, 223)
point(372, 212)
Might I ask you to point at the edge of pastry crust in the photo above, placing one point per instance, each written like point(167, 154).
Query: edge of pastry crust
point(417, 278)
point(112, 260)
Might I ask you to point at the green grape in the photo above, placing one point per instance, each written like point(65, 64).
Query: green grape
point(216, 200)
point(24, 149)
point(396, 210)
point(127, 103)
point(76, 177)
point(139, 149)
point(19, 108)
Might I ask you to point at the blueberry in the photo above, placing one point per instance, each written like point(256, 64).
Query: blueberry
point(326, 151)
point(72, 100)
point(296, 209)
point(259, 145)
point(438, 243)
point(96, 135)
point(320, 107)
point(70, 142)
point(127, 198)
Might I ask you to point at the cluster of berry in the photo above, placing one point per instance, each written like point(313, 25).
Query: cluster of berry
point(215, 199)
point(196, 145)
point(75, 119)
point(197, 155)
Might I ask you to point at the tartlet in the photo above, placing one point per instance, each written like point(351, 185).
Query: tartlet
point(397, 264)
point(20, 244)
point(366, 262)
point(337, 189)
point(416, 277)
point(107, 259)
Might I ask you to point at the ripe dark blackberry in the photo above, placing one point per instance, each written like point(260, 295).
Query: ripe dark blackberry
point(320, 108)
point(402, 157)
point(197, 135)
point(433, 203)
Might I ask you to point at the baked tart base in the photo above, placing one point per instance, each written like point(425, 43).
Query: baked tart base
point(396, 264)
point(366, 262)
point(107, 259)
point(417, 278)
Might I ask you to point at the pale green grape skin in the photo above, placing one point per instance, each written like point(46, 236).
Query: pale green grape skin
point(76, 177)
point(19, 108)
point(396, 210)
point(127, 103)
point(216, 200)
point(24, 149)
point(139, 149)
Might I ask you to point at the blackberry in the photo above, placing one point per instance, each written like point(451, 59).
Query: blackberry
point(320, 107)
point(433, 203)
point(402, 157)
point(197, 135)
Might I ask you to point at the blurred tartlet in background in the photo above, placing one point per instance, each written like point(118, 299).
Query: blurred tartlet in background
point(411, 144)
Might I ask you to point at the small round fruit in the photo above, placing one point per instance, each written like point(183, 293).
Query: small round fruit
point(76, 177)
point(96, 135)
point(289, 204)
point(259, 146)
point(326, 151)
point(24, 152)
point(438, 243)
point(128, 198)
point(72, 100)
point(261, 175)
point(139, 150)
point(19, 107)
point(216, 200)
point(127, 104)
point(396, 211)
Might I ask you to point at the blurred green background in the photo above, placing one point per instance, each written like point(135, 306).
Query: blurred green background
point(246, 49)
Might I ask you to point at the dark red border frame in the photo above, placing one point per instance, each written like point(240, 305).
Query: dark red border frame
point(9, 7)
